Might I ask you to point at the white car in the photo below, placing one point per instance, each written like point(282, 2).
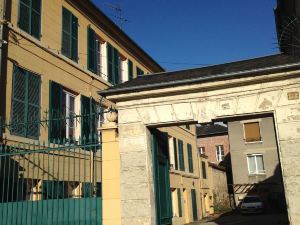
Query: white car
point(252, 204)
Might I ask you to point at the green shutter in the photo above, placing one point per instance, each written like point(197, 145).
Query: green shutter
point(204, 170)
point(92, 50)
point(130, 70)
point(18, 101)
point(85, 118)
point(116, 65)
point(113, 65)
point(33, 105)
point(74, 41)
point(179, 202)
point(69, 35)
point(110, 63)
point(30, 17)
point(139, 71)
point(194, 204)
point(190, 158)
point(36, 18)
point(181, 156)
point(55, 112)
point(25, 113)
point(175, 153)
point(24, 15)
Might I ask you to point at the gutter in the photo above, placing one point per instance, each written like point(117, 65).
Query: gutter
point(238, 74)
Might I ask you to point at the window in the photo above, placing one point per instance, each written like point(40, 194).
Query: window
point(204, 175)
point(252, 132)
point(201, 150)
point(113, 64)
point(190, 158)
point(130, 70)
point(181, 155)
point(256, 164)
point(123, 69)
point(25, 113)
point(69, 35)
point(139, 71)
point(63, 106)
point(94, 58)
point(173, 153)
point(179, 202)
point(220, 153)
point(187, 127)
point(68, 109)
point(30, 17)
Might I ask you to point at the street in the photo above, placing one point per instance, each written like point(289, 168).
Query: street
point(238, 219)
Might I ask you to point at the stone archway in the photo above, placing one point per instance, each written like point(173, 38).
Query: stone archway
point(276, 93)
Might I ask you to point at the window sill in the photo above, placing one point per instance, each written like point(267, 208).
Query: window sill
point(257, 174)
point(253, 142)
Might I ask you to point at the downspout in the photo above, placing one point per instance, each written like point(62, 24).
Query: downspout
point(1, 61)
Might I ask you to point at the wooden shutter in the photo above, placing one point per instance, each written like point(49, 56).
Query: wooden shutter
point(24, 15)
point(181, 156)
point(179, 202)
point(252, 132)
point(33, 109)
point(116, 65)
point(66, 33)
point(74, 40)
point(92, 50)
point(190, 158)
point(36, 18)
point(204, 170)
point(130, 70)
point(55, 112)
point(18, 102)
point(110, 63)
point(139, 71)
point(194, 204)
point(175, 153)
point(85, 118)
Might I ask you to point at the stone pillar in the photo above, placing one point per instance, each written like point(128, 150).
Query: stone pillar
point(137, 189)
point(110, 175)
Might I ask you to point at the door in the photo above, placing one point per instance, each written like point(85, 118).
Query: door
point(161, 177)
point(194, 204)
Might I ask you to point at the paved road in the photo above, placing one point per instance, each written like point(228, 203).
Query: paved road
point(237, 219)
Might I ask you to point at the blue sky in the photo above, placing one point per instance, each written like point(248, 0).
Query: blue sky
point(182, 34)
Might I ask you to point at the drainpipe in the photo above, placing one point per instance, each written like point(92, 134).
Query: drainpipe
point(1, 47)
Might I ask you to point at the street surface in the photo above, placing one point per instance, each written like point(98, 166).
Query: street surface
point(238, 219)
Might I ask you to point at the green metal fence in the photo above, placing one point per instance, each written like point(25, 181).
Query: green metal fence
point(55, 182)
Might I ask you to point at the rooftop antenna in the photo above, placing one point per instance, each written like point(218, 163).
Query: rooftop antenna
point(118, 13)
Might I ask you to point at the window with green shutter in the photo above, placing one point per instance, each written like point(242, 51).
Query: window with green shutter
point(92, 53)
point(130, 70)
point(25, 112)
point(190, 158)
point(175, 153)
point(88, 119)
point(30, 17)
point(139, 71)
point(204, 175)
point(179, 202)
point(113, 64)
point(69, 35)
point(181, 155)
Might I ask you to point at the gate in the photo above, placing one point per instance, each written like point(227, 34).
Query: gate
point(50, 183)
point(161, 177)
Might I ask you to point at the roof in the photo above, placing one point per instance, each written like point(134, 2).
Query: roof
point(211, 129)
point(245, 68)
point(105, 23)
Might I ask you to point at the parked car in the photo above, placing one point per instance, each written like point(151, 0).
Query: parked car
point(252, 204)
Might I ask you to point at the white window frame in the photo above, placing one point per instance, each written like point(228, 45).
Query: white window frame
point(263, 172)
point(219, 150)
point(200, 149)
point(171, 152)
point(68, 95)
point(252, 121)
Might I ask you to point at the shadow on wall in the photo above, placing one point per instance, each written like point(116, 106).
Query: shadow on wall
point(271, 192)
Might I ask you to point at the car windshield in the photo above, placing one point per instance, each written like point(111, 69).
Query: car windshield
point(251, 199)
